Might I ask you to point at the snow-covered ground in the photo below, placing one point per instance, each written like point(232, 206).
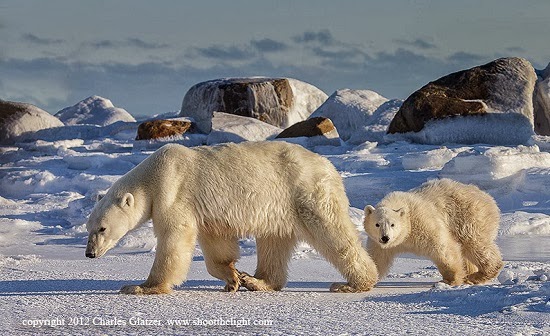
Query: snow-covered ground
point(48, 188)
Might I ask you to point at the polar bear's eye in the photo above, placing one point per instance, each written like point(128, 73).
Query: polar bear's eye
point(377, 225)
point(392, 225)
point(102, 229)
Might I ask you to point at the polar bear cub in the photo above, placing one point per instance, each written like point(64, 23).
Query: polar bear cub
point(453, 224)
point(278, 192)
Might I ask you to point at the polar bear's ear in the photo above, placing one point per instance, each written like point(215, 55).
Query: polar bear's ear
point(127, 200)
point(369, 209)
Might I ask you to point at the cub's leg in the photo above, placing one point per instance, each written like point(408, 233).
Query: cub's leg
point(383, 258)
point(220, 256)
point(486, 256)
point(172, 259)
point(449, 262)
point(271, 272)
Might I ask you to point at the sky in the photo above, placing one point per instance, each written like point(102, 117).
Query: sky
point(145, 55)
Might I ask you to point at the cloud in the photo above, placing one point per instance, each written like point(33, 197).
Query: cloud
point(31, 38)
point(323, 36)
point(226, 53)
point(516, 50)
point(462, 57)
point(268, 45)
point(417, 43)
point(132, 42)
point(139, 43)
point(158, 85)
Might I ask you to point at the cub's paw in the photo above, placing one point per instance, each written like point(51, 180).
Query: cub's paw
point(346, 288)
point(476, 279)
point(452, 283)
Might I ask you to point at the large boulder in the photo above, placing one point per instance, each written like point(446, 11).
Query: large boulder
point(17, 119)
point(350, 110)
point(541, 102)
point(503, 86)
point(94, 110)
point(277, 101)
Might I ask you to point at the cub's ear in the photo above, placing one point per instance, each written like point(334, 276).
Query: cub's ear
point(402, 212)
point(98, 197)
point(369, 209)
point(127, 200)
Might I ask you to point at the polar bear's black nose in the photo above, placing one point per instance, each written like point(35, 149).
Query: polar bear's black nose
point(385, 239)
point(90, 254)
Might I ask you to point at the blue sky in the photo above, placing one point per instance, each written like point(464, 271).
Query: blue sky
point(144, 55)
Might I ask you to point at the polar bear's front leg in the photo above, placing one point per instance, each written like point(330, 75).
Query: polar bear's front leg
point(172, 260)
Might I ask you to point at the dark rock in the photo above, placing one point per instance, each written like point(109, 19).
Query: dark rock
point(162, 128)
point(504, 85)
point(308, 128)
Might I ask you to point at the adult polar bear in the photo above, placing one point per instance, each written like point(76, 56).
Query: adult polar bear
point(278, 192)
point(451, 223)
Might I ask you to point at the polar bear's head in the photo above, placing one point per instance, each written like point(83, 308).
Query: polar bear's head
point(112, 217)
point(386, 226)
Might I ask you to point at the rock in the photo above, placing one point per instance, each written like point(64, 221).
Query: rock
point(162, 128)
point(308, 128)
point(277, 101)
point(94, 110)
point(233, 128)
point(316, 131)
point(541, 103)
point(503, 86)
point(349, 110)
point(18, 119)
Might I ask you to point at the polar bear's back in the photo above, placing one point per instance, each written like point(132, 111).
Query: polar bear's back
point(256, 187)
point(468, 211)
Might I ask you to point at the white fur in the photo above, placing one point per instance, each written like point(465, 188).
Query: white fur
point(277, 192)
point(453, 224)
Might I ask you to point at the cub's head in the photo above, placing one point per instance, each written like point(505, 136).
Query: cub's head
point(112, 217)
point(386, 226)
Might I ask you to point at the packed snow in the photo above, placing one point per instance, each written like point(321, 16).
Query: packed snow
point(349, 109)
point(94, 110)
point(27, 120)
point(50, 183)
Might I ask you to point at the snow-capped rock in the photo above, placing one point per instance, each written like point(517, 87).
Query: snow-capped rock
point(277, 101)
point(349, 110)
point(233, 128)
point(541, 103)
point(17, 119)
point(94, 110)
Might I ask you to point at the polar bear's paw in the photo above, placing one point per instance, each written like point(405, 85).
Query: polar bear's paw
point(140, 289)
point(346, 288)
point(232, 286)
point(254, 284)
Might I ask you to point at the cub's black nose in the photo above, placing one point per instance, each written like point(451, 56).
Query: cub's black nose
point(90, 255)
point(385, 239)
